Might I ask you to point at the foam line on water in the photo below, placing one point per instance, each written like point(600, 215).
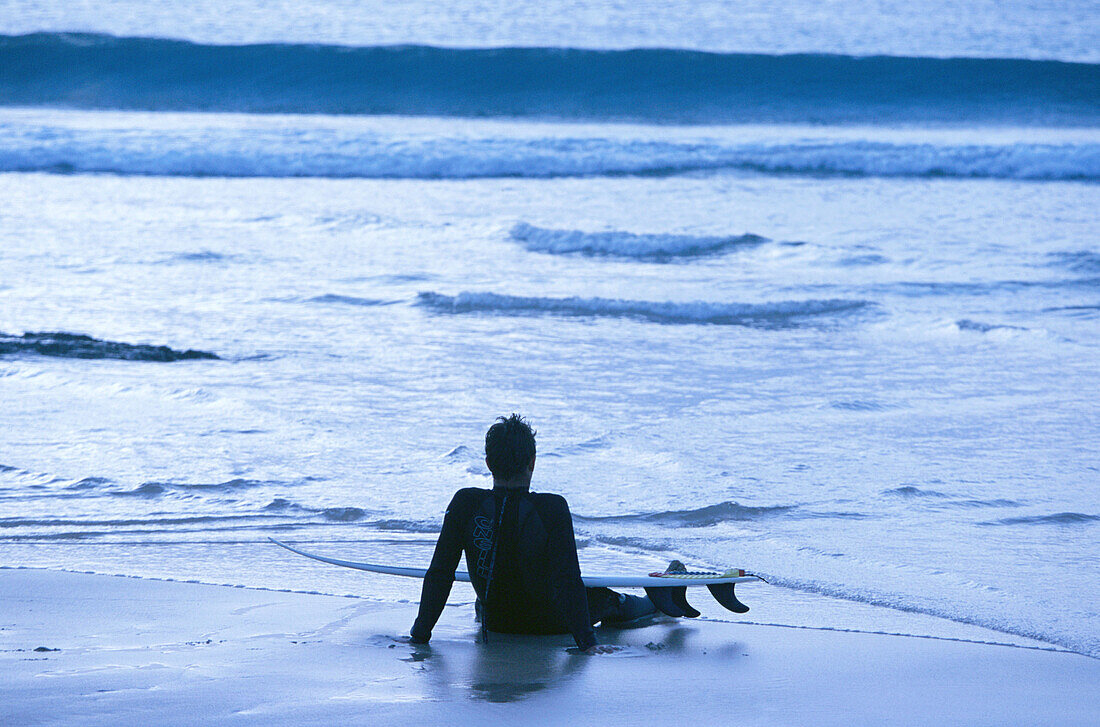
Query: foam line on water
point(1086, 645)
point(202, 145)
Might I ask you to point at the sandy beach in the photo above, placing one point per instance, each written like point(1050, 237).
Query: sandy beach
point(83, 649)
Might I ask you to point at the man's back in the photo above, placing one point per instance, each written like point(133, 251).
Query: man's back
point(522, 557)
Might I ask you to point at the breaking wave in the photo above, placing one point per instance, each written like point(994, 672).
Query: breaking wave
point(301, 146)
point(627, 244)
point(783, 314)
point(84, 70)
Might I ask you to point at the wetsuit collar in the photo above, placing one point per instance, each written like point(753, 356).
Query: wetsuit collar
point(506, 489)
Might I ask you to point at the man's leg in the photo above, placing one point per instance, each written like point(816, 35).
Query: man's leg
point(617, 609)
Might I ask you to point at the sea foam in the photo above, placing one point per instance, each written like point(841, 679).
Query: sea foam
point(201, 145)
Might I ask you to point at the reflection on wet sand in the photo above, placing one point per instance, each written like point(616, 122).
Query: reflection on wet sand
point(511, 668)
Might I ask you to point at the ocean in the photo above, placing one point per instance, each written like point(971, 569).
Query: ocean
point(811, 290)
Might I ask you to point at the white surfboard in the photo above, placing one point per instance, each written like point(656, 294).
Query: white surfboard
point(660, 586)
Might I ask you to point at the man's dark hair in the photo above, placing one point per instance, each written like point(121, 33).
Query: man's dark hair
point(509, 447)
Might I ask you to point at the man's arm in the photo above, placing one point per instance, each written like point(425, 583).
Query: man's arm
point(566, 586)
point(441, 573)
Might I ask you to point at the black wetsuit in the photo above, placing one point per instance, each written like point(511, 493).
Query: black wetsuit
point(522, 558)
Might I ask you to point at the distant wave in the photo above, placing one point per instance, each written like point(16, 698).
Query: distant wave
point(333, 514)
point(89, 483)
point(156, 489)
point(917, 289)
point(349, 300)
point(672, 86)
point(343, 514)
point(300, 146)
point(697, 518)
point(861, 260)
point(715, 514)
point(910, 491)
point(353, 514)
point(1061, 518)
point(406, 526)
point(977, 503)
point(858, 405)
point(1081, 311)
point(783, 314)
point(126, 522)
point(943, 500)
point(1081, 261)
point(626, 244)
point(204, 256)
point(462, 453)
point(966, 324)
point(71, 345)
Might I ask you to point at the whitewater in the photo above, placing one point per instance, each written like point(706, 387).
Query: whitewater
point(815, 294)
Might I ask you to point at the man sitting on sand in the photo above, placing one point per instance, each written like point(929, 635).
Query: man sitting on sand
point(521, 554)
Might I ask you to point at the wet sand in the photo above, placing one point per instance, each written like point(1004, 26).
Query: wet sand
point(137, 651)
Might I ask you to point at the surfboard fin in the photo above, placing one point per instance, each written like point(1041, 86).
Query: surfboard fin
point(671, 601)
point(663, 600)
point(679, 597)
point(723, 593)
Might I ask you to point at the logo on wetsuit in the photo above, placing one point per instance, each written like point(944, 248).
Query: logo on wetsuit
point(483, 541)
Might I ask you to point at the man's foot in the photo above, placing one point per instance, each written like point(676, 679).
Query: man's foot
point(628, 610)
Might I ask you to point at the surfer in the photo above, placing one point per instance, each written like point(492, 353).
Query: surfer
point(521, 553)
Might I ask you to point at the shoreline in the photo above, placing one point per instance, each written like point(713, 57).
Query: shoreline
point(1022, 642)
point(139, 650)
